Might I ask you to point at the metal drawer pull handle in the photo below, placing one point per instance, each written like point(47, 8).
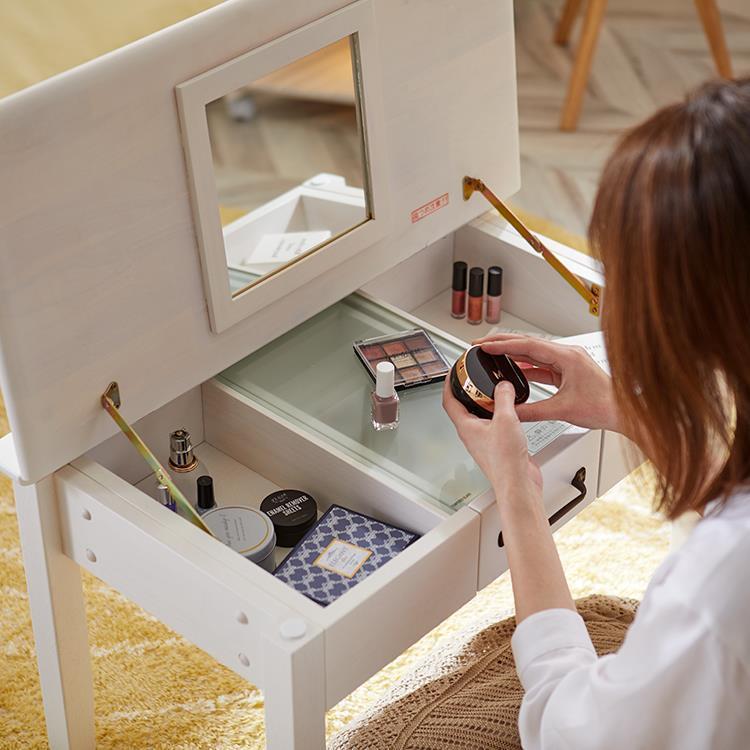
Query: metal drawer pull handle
point(579, 482)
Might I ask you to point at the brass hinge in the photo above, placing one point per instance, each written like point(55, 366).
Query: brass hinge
point(592, 293)
point(111, 403)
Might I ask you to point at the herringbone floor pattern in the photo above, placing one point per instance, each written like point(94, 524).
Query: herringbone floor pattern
point(649, 54)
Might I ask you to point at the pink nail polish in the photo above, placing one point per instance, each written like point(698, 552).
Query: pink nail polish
point(384, 398)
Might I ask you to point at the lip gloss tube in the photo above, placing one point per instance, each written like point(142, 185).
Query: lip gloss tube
point(476, 295)
point(494, 293)
point(458, 298)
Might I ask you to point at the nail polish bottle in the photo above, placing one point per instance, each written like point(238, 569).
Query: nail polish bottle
point(384, 398)
point(476, 295)
point(494, 293)
point(458, 298)
point(205, 490)
point(165, 497)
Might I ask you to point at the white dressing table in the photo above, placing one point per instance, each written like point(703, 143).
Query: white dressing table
point(114, 267)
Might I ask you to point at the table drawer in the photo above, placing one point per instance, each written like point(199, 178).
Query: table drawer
point(570, 481)
point(232, 608)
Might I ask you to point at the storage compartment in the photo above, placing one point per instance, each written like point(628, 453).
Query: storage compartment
point(535, 299)
point(251, 456)
point(295, 414)
point(311, 379)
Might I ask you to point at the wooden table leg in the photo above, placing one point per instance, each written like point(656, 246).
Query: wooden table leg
point(58, 617)
point(711, 20)
point(579, 77)
point(295, 696)
point(567, 19)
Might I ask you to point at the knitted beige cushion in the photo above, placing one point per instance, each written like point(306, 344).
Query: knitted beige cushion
point(469, 699)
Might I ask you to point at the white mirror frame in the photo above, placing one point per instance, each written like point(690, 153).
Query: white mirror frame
point(192, 98)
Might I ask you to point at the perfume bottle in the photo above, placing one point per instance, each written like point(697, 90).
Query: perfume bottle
point(384, 398)
point(184, 467)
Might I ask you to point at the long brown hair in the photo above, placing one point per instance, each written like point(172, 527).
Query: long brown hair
point(671, 224)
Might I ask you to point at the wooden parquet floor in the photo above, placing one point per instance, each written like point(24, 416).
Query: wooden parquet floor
point(650, 53)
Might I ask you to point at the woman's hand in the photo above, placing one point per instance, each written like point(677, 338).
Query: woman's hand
point(498, 445)
point(584, 397)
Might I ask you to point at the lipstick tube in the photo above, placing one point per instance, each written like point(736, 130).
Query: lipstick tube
point(476, 295)
point(494, 294)
point(458, 297)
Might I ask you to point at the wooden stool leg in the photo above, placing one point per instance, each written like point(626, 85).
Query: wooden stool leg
point(592, 24)
point(569, 15)
point(711, 20)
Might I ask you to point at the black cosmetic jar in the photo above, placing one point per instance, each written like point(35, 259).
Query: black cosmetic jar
point(475, 374)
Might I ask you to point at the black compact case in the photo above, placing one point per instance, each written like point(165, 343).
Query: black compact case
point(475, 374)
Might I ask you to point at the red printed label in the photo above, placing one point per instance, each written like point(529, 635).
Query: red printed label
point(429, 208)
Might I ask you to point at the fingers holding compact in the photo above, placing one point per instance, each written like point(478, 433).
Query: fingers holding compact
point(458, 414)
point(505, 416)
point(584, 397)
point(537, 352)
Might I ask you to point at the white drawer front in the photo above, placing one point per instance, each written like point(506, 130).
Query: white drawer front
point(385, 614)
point(374, 622)
point(190, 581)
point(562, 499)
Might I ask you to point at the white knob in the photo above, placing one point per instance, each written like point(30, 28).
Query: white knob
point(292, 629)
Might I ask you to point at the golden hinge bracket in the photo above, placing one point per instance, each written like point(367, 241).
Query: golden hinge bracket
point(592, 293)
point(111, 403)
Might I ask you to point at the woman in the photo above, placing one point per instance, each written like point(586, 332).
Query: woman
point(671, 224)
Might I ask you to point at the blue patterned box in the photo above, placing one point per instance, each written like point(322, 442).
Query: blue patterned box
point(342, 549)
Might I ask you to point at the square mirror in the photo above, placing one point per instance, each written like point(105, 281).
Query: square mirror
point(283, 150)
point(289, 162)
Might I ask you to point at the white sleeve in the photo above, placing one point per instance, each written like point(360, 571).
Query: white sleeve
point(672, 684)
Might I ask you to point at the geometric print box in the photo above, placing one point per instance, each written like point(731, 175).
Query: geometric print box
point(342, 549)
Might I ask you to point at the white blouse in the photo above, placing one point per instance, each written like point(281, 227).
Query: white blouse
point(681, 679)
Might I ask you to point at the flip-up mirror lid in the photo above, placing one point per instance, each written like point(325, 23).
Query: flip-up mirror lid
point(100, 277)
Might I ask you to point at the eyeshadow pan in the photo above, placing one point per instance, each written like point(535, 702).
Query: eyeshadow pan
point(394, 347)
point(426, 355)
point(412, 373)
point(418, 342)
point(435, 368)
point(403, 360)
point(373, 351)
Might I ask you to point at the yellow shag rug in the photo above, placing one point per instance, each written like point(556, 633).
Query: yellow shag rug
point(155, 690)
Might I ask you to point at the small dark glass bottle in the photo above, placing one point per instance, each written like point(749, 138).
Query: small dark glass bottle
point(206, 499)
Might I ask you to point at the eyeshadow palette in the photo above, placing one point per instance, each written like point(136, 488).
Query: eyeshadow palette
point(415, 357)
